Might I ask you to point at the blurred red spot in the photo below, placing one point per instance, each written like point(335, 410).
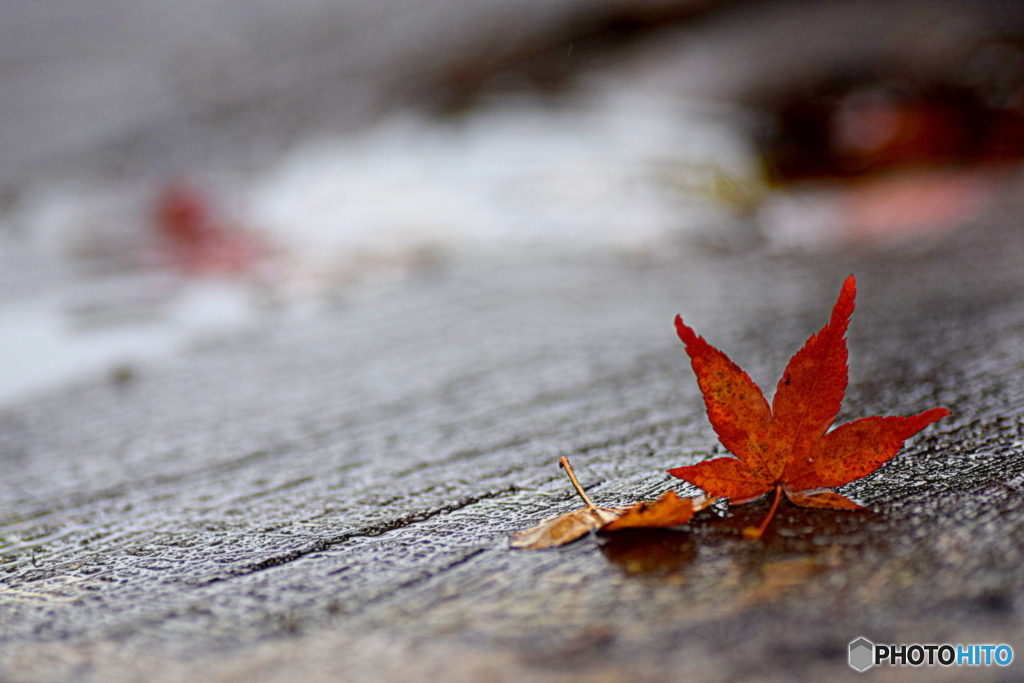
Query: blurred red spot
point(195, 239)
point(897, 208)
point(878, 133)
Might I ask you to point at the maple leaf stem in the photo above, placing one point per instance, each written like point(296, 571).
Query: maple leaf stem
point(564, 464)
point(752, 533)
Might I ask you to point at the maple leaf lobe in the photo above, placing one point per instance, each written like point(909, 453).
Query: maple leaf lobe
point(726, 477)
point(856, 449)
point(735, 405)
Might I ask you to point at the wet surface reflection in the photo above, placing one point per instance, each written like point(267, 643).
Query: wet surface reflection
point(650, 552)
point(798, 544)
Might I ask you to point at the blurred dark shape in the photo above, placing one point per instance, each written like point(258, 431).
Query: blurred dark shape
point(852, 125)
point(122, 375)
point(549, 66)
point(196, 240)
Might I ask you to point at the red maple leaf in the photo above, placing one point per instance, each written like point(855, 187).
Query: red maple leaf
point(788, 447)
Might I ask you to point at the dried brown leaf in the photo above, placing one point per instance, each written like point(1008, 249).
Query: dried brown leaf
point(561, 529)
point(669, 510)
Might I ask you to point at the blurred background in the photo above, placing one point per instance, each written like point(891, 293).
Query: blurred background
point(171, 172)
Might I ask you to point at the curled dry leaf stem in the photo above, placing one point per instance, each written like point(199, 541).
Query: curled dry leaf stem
point(564, 464)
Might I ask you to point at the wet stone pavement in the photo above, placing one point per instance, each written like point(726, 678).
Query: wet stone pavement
point(330, 497)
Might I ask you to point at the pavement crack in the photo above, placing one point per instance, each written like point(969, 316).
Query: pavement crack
point(372, 531)
point(417, 517)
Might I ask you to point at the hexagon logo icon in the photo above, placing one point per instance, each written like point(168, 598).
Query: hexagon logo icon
point(862, 654)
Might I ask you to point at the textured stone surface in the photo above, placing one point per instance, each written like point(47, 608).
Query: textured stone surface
point(334, 494)
point(329, 495)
